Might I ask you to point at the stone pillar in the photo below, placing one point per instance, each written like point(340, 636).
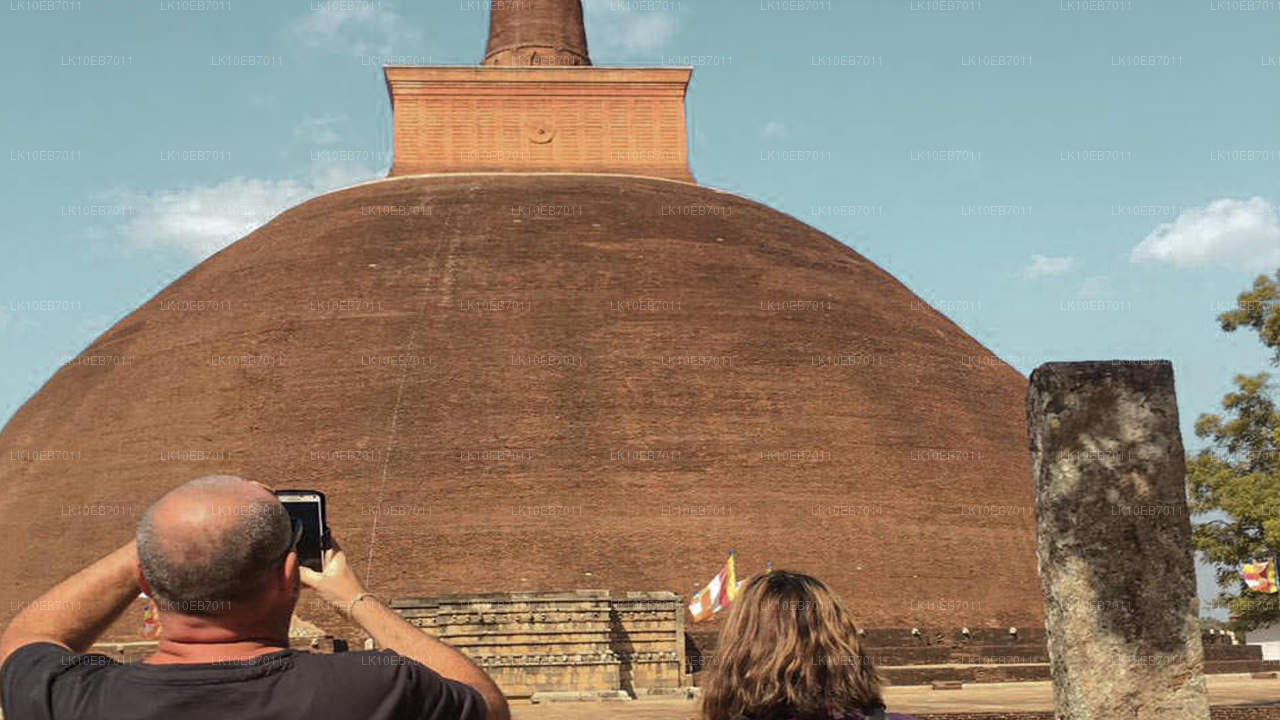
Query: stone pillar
point(1114, 542)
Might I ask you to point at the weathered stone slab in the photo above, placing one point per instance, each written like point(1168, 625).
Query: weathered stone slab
point(1114, 546)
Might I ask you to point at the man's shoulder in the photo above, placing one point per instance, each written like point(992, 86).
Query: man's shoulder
point(363, 665)
point(30, 673)
point(371, 659)
point(53, 658)
point(388, 673)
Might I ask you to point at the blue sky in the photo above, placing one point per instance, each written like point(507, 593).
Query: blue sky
point(1066, 179)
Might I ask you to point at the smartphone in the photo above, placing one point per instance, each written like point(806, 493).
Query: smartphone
point(307, 507)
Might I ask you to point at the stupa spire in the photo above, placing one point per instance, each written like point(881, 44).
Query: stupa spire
point(536, 32)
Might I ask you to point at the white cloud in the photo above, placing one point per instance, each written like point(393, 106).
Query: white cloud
point(775, 130)
point(202, 219)
point(1044, 266)
point(356, 27)
point(617, 29)
point(1238, 234)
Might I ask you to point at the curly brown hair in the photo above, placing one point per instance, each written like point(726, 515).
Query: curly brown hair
point(788, 649)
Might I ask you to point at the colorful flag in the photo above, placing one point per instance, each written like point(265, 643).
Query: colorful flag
point(1260, 577)
point(150, 619)
point(719, 593)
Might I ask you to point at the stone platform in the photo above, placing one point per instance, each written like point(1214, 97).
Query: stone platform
point(1234, 697)
point(601, 646)
point(593, 643)
point(985, 655)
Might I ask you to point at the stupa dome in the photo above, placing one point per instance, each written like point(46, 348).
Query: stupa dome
point(548, 382)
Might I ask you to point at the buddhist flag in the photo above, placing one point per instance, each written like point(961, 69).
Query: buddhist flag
point(150, 618)
point(1260, 577)
point(718, 594)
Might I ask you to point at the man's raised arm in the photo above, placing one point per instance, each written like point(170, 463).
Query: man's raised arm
point(79, 609)
point(339, 585)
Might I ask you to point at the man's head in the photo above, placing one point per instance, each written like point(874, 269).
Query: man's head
point(216, 547)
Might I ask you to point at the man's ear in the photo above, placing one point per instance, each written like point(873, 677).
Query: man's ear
point(289, 570)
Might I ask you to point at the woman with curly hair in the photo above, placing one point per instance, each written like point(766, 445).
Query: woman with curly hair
point(789, 651)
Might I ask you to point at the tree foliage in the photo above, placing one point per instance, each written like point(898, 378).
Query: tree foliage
point(1237, 475)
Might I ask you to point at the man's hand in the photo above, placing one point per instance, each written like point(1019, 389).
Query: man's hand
point(338, 583)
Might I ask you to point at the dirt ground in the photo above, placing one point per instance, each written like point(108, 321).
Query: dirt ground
point(1223, 690)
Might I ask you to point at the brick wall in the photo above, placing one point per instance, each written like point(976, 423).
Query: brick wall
point(543, 119)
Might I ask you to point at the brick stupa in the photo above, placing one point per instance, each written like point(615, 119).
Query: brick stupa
point(535, 359)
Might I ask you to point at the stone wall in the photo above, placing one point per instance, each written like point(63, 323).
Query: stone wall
point(590, 642)
point(986, 716)
point(1217, 713)
point(1244, 713)
point(984, 655)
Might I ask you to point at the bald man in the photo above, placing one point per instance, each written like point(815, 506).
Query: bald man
point(218, 557)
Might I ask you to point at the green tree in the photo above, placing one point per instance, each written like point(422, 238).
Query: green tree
point(1237, 476)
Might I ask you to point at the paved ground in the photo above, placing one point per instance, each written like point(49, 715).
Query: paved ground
point(1223, 690)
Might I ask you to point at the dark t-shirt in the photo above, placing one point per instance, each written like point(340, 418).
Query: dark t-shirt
point(43, 681)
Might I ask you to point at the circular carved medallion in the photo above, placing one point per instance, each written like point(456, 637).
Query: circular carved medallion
point(540, 132)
